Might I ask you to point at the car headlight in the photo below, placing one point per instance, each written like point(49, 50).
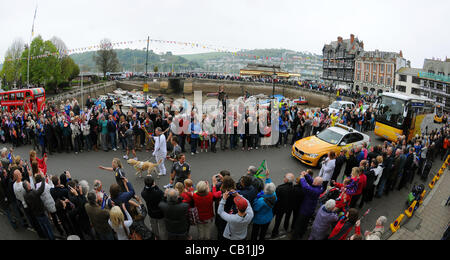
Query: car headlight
point(314, 155)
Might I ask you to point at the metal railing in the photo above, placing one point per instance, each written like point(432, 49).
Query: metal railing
point(73, 93)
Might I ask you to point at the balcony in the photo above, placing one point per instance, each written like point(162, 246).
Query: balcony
point(434, 91)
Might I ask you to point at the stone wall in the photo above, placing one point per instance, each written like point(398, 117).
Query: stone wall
point(233, 89)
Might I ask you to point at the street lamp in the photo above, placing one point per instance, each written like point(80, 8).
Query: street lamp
point(274, 77)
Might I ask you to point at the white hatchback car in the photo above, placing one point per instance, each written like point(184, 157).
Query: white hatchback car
point(338, 105)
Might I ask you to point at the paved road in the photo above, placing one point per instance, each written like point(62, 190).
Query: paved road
point(204, 165)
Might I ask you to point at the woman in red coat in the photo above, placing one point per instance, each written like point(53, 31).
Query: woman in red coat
point(42, 163)
point(345, 225)
point(204, 202)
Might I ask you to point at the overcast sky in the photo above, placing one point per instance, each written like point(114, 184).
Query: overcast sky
point(420, 29)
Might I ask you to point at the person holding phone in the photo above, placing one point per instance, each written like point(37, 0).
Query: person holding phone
point(237, 224)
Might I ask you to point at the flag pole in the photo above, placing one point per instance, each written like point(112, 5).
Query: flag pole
point(29, 50)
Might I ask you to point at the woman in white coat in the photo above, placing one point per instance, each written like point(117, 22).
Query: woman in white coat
point(326, 172)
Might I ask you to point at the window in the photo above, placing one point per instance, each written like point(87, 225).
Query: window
point(359, 77)
point(366, 67)
point(431, 71)
point(366, 77)
point(401, 88)
point(20, 96)
point(389, 81)
point(381, 68)
point(389, 68)
point(403, 78)
point(374, 67)
point(415, 80)
point(374, 78)
point(381, 80)
point(415, 91)
point(12, 96)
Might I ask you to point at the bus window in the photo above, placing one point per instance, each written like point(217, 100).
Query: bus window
point(5, 97)
point(12, 96)
point(391, 111)
point(20, 96)
point(27, 94)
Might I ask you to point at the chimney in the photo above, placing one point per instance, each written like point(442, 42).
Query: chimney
point(401, 54)
point(352, 38)
point(362, 45)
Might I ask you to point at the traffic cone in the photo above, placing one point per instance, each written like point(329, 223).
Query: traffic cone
point(396, 225)
point(409, 211)
point(432, 183)
point(422, 196)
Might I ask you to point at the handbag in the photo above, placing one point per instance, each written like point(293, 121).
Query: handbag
point(194, 218)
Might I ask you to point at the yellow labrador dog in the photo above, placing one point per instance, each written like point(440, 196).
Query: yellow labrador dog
point(143, 166)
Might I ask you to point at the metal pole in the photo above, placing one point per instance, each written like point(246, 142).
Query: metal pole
point(81, 88)
point(146, 67)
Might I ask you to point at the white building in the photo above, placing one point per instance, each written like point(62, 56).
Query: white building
point(407, 81)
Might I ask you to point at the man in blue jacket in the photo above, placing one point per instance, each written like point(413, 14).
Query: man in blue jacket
point(312, 193)
point(246, 189)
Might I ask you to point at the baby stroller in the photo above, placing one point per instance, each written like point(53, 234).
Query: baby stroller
point(331, 194)
point(415, 193)
point(426, 170)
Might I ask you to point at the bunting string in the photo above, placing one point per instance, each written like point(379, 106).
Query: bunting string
point(212, 48)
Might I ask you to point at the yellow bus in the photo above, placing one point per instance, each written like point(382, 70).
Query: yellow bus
point(407, 115)
point(439, 114)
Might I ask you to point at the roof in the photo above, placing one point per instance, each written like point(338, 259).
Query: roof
point(346, 44)
point(379, 54)
point(409, 71)
point(406, 97)
point(35, 91)
point(342, 131)
point(344, 102)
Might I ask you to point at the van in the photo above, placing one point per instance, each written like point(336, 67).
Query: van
point(338, 105)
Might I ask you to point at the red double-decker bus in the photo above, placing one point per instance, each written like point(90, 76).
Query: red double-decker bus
point(24, 99)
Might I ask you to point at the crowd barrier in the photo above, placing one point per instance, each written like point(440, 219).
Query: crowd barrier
point(409, 212)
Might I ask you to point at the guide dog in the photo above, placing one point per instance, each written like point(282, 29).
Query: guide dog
point(143, 166)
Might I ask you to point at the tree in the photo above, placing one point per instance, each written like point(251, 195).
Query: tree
point(11, 70)
point(69, 69)
point(106, 58)
point(59, 44)
point(155, 69)
point(45, 68)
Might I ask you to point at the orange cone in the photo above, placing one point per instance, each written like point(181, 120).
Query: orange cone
point(422, 196)
point(410, 211)
point(432, 183)
point(396, 225)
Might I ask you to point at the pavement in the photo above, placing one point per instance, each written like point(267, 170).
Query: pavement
point(432, 218)
point(84, 166)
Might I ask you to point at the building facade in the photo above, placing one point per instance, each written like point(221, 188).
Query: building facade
point(407, 81)
point(432, 81)
point(437, 67)
point(436, 87)
point(339, 61)
point(375, 71)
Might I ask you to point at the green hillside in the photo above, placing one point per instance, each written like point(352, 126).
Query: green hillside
point(134, 60)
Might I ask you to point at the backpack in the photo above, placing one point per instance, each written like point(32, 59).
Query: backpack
point(111, 126)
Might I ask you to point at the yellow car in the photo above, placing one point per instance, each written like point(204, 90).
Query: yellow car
point(314, 149)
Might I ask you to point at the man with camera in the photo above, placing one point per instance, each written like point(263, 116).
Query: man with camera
point(237, 224)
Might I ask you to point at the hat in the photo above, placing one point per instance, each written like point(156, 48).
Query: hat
point(241, 203)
